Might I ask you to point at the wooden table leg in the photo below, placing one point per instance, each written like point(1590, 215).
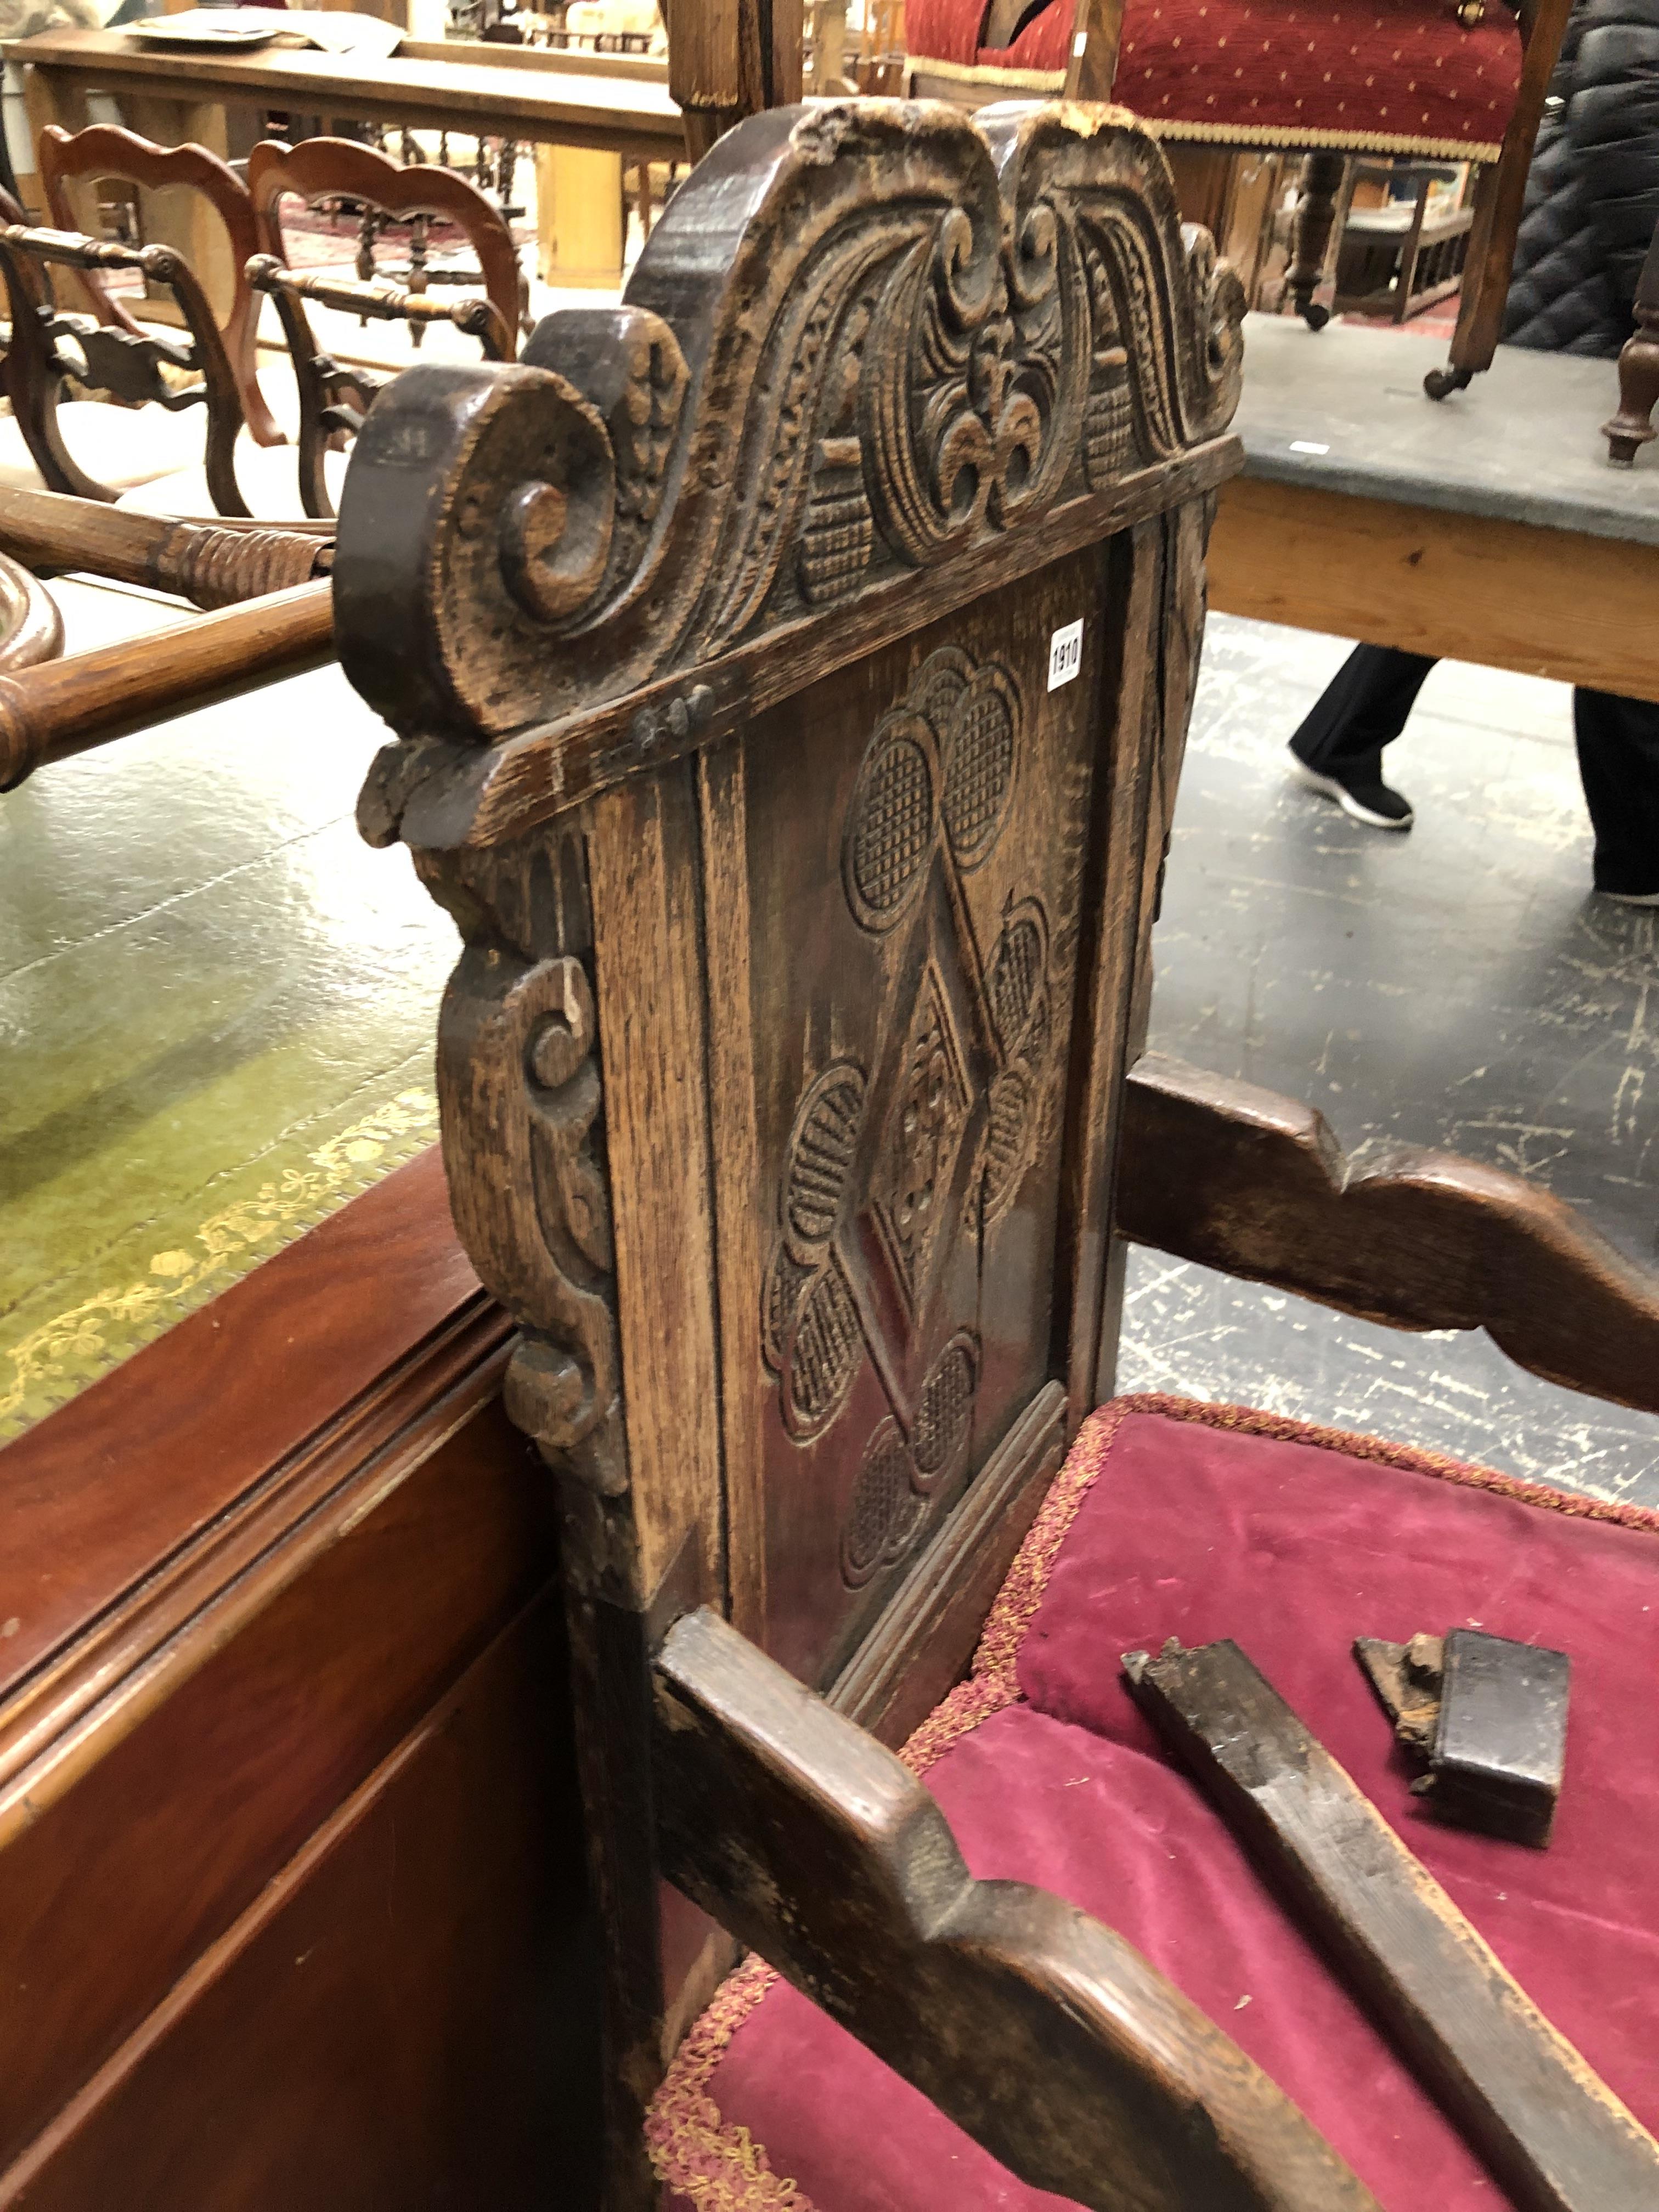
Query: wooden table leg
point(49, 96)
point(579, 217)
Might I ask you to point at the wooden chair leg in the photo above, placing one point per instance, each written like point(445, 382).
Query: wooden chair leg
point(1638, 390)
point(1499, 195)
point(1638, 370)
point(1315, 214)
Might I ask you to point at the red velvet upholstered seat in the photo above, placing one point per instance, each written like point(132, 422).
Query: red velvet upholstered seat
point(1400, 77)
point(1201, 1522)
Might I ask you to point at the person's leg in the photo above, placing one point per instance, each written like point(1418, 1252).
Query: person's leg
point(1619, 760)
point(1364, 707)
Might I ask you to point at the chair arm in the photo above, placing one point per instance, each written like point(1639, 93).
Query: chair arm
point(1255, 1185)
point(1044, 2035)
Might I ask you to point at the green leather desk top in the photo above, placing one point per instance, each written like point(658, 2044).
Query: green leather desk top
point(217, 1013)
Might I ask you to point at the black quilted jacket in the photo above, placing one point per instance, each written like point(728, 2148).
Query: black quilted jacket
point(1593, 191)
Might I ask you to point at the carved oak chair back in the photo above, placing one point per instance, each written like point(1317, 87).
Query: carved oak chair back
point(50, 352)
point(790, 669)
point(104, 151)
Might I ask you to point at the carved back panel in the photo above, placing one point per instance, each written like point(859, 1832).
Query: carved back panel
point(790, 668)
point(915, 883)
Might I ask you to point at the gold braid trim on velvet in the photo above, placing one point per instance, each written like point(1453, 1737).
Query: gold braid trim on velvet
point(986, 74)
point(718, 2166)
point(1246, 136)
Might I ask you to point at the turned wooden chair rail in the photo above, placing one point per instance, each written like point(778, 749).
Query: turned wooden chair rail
point(63, 707)
point(212, 564)
point(334, 400)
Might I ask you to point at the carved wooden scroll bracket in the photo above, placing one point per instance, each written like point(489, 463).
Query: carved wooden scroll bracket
point(876, 359)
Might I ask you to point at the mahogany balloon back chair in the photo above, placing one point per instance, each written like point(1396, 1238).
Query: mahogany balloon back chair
point(104, 152)
point(1454, 80)
point(789, 670)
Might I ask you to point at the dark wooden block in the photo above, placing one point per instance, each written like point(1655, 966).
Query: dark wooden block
point(1500, 1748)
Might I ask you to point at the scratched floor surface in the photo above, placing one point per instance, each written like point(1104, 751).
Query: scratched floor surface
point(1458, 986)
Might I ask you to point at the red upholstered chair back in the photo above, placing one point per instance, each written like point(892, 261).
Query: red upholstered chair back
point(1408, 77)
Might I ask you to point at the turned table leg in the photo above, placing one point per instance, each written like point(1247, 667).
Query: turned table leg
point(1311, 236)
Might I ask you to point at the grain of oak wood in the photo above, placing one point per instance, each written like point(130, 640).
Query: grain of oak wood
point(1557, 603)
point(1044, 2035)
point(1239, 1179)
point(1555, 2137)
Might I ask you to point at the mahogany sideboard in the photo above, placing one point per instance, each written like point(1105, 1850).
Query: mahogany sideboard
point(292, 1908)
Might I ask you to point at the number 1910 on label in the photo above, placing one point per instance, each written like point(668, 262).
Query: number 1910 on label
point(1065, 654)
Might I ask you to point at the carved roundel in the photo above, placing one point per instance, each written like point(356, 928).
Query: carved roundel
point(885, 1511)
point(948, 753)
point(945, 1414)
point(824, 1355)
point(811, 1332)
point(1017, 979)
point(978, 746)
point(822, 1146)
point(889, 831)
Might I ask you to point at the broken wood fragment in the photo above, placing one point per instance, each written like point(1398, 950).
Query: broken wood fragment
point(1489, 1716)
point(1553, 2135)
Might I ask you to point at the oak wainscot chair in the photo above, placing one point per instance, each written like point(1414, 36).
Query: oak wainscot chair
point(790, 670)
point(1450, 80)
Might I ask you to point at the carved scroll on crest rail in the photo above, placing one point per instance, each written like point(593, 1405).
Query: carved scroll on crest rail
point(865, 341)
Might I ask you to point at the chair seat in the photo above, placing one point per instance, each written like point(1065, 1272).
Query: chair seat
point(1200, 1522)
point(1384, 76)
point(121, 446)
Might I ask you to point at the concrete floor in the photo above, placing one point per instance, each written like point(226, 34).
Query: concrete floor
point(1458, 986)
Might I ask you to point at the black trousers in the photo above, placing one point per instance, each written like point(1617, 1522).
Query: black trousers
point(1365, 705)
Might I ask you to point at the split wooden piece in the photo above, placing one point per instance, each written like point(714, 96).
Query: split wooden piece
point(1045, 2035)
point(1406, 1678)
point(1490, 1717)
point(1554, 2135)
point(211, 564)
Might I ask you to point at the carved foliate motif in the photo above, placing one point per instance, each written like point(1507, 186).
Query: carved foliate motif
point(887, 1166)
point(864, 338)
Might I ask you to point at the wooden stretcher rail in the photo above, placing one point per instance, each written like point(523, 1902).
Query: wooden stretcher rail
point(1551, 2131)
point(66, 706)
point(1255, 1185)
point(211, 564)
point(386, 303)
